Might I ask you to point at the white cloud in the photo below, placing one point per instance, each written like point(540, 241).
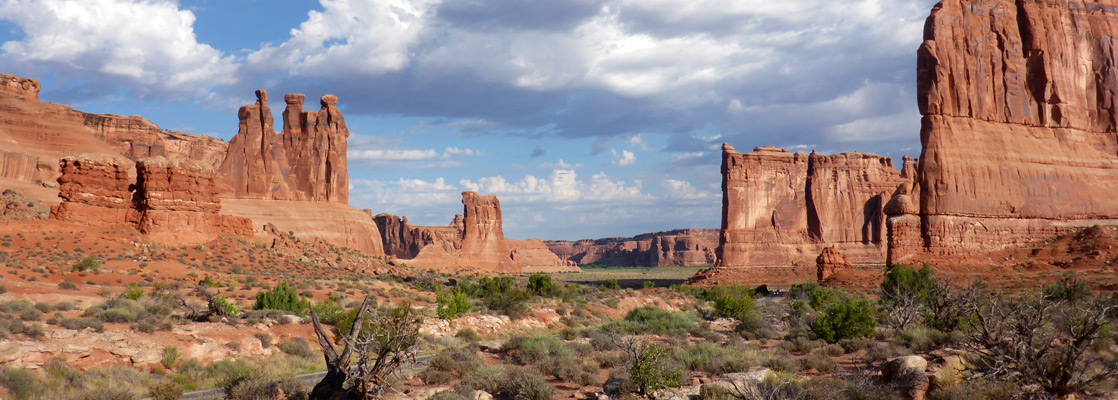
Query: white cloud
point(685, 157)
point(623, 159)
point(454, 151)
point(361, 36)
point(392, 155)
point(562, 186)
point(149, 45)
point(560, 165)
point(683, 190)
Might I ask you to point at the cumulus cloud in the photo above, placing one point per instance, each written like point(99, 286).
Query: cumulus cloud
point(349, 36)
point(102, 45)
point(560, 165)
point(623, 159)
point(683, 190)
point(562, 186)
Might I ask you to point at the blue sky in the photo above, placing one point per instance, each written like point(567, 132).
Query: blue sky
point(588, 118)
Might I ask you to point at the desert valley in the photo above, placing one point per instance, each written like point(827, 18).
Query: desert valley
point(144, 263)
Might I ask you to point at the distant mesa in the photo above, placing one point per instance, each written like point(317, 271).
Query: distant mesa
point(680, 247)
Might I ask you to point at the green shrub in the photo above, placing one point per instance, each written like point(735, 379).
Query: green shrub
point(526, 384)
point(267, 388)
point(468, 335)
point(450, 364)
point(649, 284)
point(86, 264)
point(118, 315)
point(610, 284)
point(901, 279)
point(540, 285)
point(170, 357)
point(649, 371)
point(21, 383)
point(731, 301)
point(297, 347)
point(67, 284)
point(655, 320)
point(1067, 289)
point(219, 305)
point(166, 390)
point(133, 292)
point(330, 311)
point(843, 318)
point(283, 297)
point(528, 350)
point(449, 305)
point(265, 339)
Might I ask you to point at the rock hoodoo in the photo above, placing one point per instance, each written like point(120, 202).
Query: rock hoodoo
point(306, 162)
point(829, 263)
point(475, 239)
point(1029, 151)
point(780, 208)
point(170, 201)
point(681, 247)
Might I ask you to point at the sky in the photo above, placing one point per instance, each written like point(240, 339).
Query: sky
point(587, 118)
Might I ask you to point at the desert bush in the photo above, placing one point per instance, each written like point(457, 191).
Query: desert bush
point(881, 351)
point(170, 357)
point(800, 345)
point(264, 338)
point(105, 393)
point(468, 335)
point(449, 305)
point(268, 389)
point(732, 301)
point(1043, 343)
point(983, 389)
point(1067, 289)
point(78, 324)
point(649, 369)
point(736, 356)
point(655, 320)
point(166, 390)
point(330, 311)
point(31, 314)
point(820, 362)
point(540, 285)
point(528, 350)
point(21, 383)
point(488, 379)
point(297, 347)
point(283, 297)
point(67, 284)
point(842, 317)
point(610, 284)
point(228, 373)
point(526, 384)
point(86, 264)
point(450, 364)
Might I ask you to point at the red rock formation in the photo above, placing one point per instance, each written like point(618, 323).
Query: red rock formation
point(473, 240)
point(681, 247)
point(172, 202)
point(1028, 149)
point(21, 87)
point(306, 162)
point(781, 208)
point(483, 237)
point(405, 241)
point(178, 203)
point(35, 135)
point(95, 189)
point(829, 263)
point(255, 166)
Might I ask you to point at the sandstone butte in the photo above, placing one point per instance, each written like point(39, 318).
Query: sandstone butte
point(474, 239)
point(680, 247)
point(170, 201)
point(781, 208)
point(1027, 151)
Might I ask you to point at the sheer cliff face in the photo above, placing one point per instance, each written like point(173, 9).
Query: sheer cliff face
point(779, 207)
point(1019, 123)
point(307, 162)
point(170, 201)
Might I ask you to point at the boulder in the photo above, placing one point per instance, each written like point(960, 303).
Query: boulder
point(829, 262)
point(908, 373)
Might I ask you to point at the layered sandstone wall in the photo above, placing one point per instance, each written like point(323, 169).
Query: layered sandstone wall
point(780, 208)
point(1030, 150)
point(178, 203)
point(170, 201)
point(681, 247)
point(96, 189)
